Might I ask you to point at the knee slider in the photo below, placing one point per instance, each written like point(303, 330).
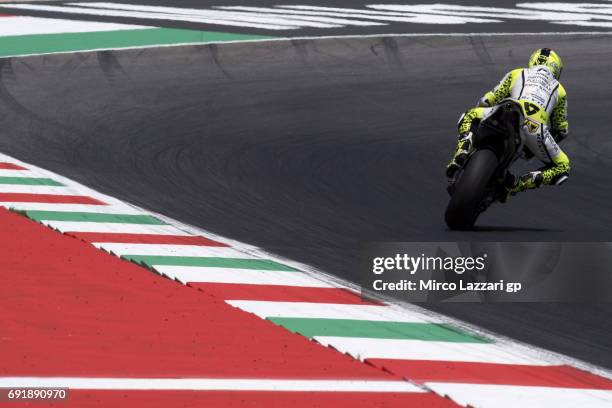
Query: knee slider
point(559, 179)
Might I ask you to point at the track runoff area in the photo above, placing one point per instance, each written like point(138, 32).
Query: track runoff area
point(89, 316)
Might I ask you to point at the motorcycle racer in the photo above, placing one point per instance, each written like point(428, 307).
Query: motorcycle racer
point(544, 103)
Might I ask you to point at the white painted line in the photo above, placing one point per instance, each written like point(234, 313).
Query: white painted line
point(172, 250)
point(507, 396)
point(434, 14)
point(363, 348)
point(111, 227)
point(400, 17)
point(328, 37)
point(218, 17)
point(327, 311)
point(282, 18)
point(442, 11)
point(304, 15)
point(194, 274)
point(598, 24)
point(209, 384)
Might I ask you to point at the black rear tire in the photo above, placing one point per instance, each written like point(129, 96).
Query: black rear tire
point(470, 189)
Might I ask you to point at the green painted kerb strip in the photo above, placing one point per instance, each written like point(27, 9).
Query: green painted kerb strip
point(29, 181)
point(210, 262)
point(374, 329)
point(93, 217)
point(69, 42)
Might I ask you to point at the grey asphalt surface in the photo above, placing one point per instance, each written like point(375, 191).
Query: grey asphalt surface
point(310, 148)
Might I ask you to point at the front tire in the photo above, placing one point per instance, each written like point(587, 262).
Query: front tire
point(470, 189)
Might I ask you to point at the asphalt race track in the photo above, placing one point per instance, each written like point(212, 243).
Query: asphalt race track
point(309, 148)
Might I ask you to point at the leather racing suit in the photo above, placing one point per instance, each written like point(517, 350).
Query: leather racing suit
point(544, 103)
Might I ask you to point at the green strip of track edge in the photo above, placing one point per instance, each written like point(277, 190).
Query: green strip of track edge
point(210, 262)
point(94, 217)
point(30, 181)
point(71, 42)
point(311, 327)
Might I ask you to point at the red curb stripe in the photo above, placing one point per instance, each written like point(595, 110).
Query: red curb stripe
point(145, 239)
point(278, 293)
point(561, 376)
point(80, 312)
point(47, 198)
point(242, 399)
point(10, 166)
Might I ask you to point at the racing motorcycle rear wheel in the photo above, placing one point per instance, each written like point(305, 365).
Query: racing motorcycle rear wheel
point(470, 190)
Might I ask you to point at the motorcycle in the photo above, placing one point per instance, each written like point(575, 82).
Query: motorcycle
point(484, 178)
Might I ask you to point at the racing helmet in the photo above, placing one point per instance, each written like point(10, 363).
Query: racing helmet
point(548, 58)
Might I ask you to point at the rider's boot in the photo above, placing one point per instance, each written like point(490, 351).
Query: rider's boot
point(464, 145)
point(527, 181)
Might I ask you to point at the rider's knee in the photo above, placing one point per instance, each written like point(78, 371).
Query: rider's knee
point(559, 172)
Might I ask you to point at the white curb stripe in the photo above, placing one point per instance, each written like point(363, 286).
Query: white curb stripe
point(22, 25)
point(506, 396)
point(173, 250)
point(208, 384)
point(111, 227)
point(90, 208)
point(195, 274)
point(17, 173)
point(363, 348)
point(38, 189)
point(327, 311)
